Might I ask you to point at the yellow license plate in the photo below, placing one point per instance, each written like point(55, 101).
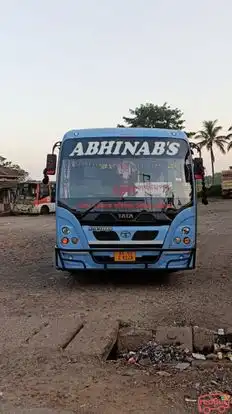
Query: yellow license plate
point(124, 256)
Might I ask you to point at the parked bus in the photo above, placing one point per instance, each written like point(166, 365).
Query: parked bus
point(126, 199)
point(226, 183)
point(34, 197)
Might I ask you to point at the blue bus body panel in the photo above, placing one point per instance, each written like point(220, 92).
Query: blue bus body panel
point(125, 132)
point(170, 256)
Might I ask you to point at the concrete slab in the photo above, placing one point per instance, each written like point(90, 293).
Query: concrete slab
point(17, 331)
point(203, 339)
point(174, 335)
point(58, 333)
point(131, 339)
point(95, 340)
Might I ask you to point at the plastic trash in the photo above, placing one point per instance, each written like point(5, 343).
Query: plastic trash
point(132, 360)
point(199, 356)
point(219, 355)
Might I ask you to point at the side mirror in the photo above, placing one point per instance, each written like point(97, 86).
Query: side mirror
point(198, 168)
point(199, 174)
point(51, 164)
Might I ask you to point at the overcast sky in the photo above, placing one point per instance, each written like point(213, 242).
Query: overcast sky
point(83, 63)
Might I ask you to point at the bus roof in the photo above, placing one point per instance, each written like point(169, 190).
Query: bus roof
point(125, 132)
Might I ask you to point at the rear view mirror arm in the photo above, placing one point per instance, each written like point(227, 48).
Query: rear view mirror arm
point(46, 172)
point(204, 198)
point(56, 145)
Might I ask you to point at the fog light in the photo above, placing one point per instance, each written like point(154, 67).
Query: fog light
point(74, 240)
point(177, 240)
point(185, 230)
point(187, 240)
point(65, 230)
point(65, 240)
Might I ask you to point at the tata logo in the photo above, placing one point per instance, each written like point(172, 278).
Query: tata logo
point(125, 235)
point(125, 216)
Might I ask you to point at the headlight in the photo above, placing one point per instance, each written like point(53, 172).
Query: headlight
point(185, 230)
point(66, 230)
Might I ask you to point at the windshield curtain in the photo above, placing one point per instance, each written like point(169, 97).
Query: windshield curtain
point(143, 179)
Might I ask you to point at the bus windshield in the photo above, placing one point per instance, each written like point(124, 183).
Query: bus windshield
point(140, 181)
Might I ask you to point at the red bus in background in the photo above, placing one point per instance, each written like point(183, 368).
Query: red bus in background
point(33, 197)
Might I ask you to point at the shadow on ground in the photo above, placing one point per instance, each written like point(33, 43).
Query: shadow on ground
point(122, 278)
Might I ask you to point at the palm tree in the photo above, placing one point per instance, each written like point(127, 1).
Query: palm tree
point(210, 138)
point(229, 137)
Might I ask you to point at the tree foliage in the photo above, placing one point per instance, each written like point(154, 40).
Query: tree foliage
point(229, 137)
point(154, 116)
point(211, 137)
point(9, 164)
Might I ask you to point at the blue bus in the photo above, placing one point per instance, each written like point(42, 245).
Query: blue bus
point(126, 199)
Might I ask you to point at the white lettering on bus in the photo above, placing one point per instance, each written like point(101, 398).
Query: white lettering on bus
point(78, 150)
point(144, 149)
point(130, 147)
point(136, 148)
point(173, 148)
point(117, 148)
point(93, 147)
point(106, 148)
point(159, 148)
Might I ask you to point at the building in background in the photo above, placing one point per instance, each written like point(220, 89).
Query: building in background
point(9, 179)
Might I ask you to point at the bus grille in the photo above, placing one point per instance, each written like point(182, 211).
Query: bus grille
point(140, 235)
point(145, 235)
point(105, 235)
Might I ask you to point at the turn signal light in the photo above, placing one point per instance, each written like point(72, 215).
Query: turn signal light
point(65, 240)
point(187, 240)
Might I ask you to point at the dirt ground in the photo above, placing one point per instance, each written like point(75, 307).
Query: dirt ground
point(31, 287)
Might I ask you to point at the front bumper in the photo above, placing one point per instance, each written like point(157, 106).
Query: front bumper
point(102, 259)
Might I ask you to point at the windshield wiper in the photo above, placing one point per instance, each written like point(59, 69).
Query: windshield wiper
point(122, 199)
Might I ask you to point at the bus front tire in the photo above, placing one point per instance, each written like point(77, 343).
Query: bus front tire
point(44, 210)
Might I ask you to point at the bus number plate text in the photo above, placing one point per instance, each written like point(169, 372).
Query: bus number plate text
point(124, 256)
